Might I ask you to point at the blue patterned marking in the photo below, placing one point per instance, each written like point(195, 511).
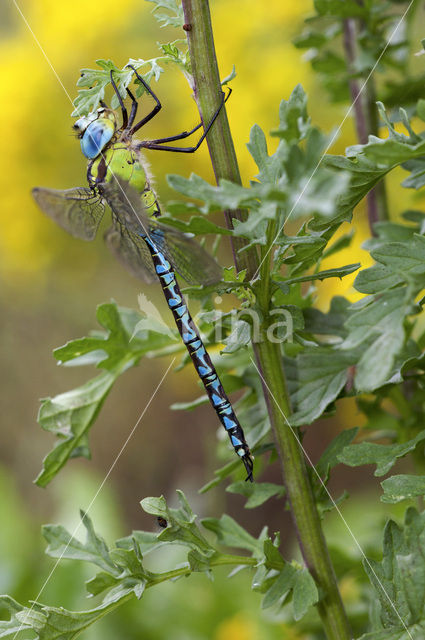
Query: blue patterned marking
point(176, 299)
point(235, 441)
point(188, 333)
point(180, 311)
point(164, 267)
point(167, 277)
point(203, 369)
point(229, 423)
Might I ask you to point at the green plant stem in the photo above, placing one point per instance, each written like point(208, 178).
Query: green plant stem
point(366, 120)
point(207, 94)
point(268, 355)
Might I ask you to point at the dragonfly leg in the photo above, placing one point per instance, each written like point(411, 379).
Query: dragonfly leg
point(134, 105)
point(120, 100)
point(156, 108)
point(179, 136)
point(158, 144)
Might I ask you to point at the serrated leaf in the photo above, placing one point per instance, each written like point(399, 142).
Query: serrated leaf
point(70, 416)
point(120, 346)
point(280, 588)
point(337, 272)
point(231, 534)
point(402, 487)
point(174, 18)
point(378, 328)
point(330, 323)
point(273, 558)
point(182, 527)
point(399, 580)
point(315, 379)
point(256, 493)
point(239, 337)
point(370, 162)
point(64, 545)
point(95, 81)
point(294, 121)
point(383, 455)
point(332, 454)
point(304, 593)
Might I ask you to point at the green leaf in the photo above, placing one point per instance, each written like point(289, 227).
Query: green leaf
point(231, 534)
point(404, 259)
point(315, 379)
point(340, 8)
point(181, 523)
point(257, 493)
point(95, 82)
point(122, 575)
point(304, 593)
point(331, 323)
point(70, 416)
point(294, 122)
point(337, 272)
point(117, 348)
point(332, 454)
point(229, 78)
point(383, 455)
point(369, 163)
point(295, 582)
point(63, 545)
point(20, 618)
point(378, 327)
point(50, 623)
point(399, 581)
point(198, 225)
point(281, 587)
point(238, 338)
point(402, 487)
point(173, 18)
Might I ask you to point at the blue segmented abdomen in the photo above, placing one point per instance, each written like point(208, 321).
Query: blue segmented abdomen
point(199, 354)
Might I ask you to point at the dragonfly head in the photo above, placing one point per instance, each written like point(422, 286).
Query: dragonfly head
point(95, 131)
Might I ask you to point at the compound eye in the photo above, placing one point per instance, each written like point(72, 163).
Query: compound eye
point(96, 137)
point(81, 124)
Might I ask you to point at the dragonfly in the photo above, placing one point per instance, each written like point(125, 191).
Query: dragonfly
point(118, 175)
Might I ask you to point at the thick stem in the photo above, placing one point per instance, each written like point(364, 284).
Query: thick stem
point(207, 90)
point(297, 482)
point(267, 354)
point(366, 121)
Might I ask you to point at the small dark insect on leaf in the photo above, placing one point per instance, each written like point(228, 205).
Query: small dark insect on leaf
point(162, 522)
point(187, 27)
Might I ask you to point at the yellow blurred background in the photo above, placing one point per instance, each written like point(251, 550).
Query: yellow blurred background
point(52, 283)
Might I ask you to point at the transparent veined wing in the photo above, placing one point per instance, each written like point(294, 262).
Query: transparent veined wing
point(78, 211)
point(187, 257)
point(130, 249)
point(129, 224)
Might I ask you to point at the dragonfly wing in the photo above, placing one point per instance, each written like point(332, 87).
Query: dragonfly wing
point(78, 211)
point(188, 258)
point(130, 224)
point(131, 250)
point(126, 204)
